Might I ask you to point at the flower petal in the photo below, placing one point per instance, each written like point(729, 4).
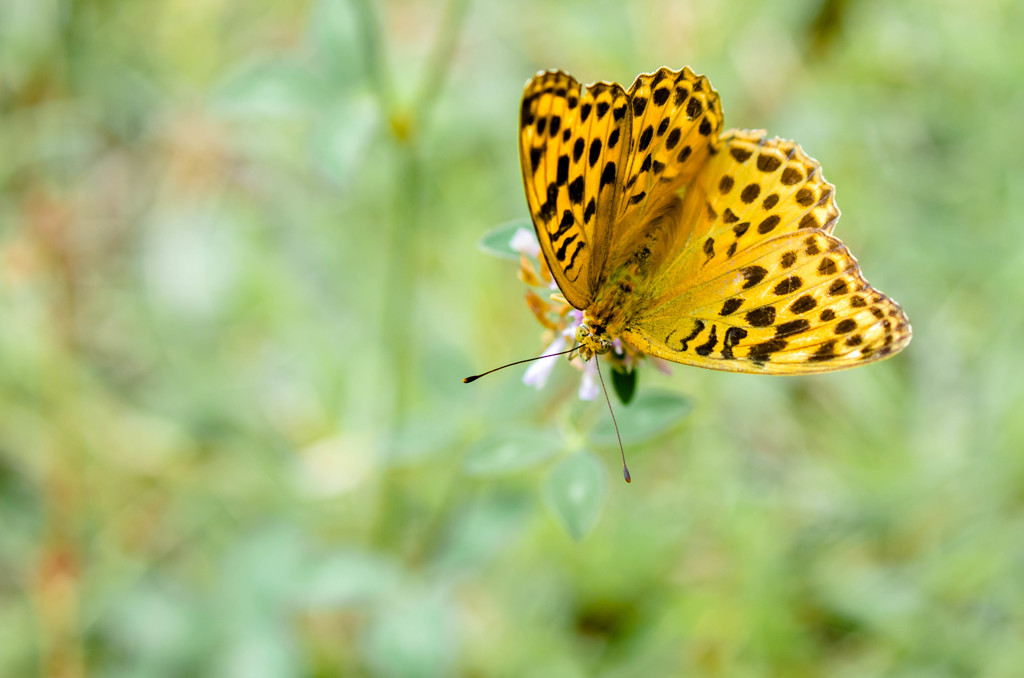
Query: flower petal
point(538, 372)
point(661, 365)
point(589, 389)
point(525, 242)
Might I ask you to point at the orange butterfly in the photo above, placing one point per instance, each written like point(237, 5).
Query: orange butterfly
point(704, 249)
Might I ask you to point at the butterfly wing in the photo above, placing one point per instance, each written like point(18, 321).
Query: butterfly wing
point(757, 282)
point(597, 159)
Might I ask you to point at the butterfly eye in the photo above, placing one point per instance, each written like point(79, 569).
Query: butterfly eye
point(605, 346)
point(582, 332)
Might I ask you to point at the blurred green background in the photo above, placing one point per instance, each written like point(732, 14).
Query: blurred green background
point(240, 284)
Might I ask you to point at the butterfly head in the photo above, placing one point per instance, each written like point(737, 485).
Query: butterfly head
point(591, 343)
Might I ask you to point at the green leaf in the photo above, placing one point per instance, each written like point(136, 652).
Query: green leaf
point(347, 578)
point(418, 440)
point(486, 527)
point(624, 384)
point(270, 87)
point(511, 451)
point(497, 241)
point(576, 491)
point(412, 635)
point(652, 413)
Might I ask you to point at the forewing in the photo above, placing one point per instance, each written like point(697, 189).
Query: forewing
point(599, 161)
point(571, 143)
point(758, 283)
point(675, 122)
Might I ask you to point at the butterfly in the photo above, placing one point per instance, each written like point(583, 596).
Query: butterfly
point(698, 247)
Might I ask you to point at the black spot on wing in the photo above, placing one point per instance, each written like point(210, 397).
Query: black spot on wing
point(731, 306)
point(750, 193)
point(645, 138)
point(792, 176)
point(694, 108)
point(733, 336)
point(825, 352)
point(803, 304)
point(576, 190)
point(535, 155)
point(762, 352)
point(769, 223)
point(561, 251)
point(577, 149)
point(809, 221)
point(845, 326)
point(709, 249)
point(564, 225)
point(563, 170)
point(761, 317)
point(740, 154)
point(753, 275)
point(766, 162)
point(787, 286)
point(792, 327)
point(698, 327)
point(572, 259)
point(707, 347)
point(595, 151)
point(838, 288)
point(673, 138)
point(608, 174)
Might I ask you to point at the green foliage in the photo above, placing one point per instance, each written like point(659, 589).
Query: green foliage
point(496, 241)
point(624, 384)
point(653, 413)
point(513, 451)
point(240, 284)
point(575, 492)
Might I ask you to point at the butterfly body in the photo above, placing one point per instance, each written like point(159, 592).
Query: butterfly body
point(702, 248)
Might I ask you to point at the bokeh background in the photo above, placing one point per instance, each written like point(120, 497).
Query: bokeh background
point(240, 283)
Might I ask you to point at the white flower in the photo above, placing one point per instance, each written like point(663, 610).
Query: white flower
point(525, 242)
point(661, 365)
point(538, 372)
point(588, 385)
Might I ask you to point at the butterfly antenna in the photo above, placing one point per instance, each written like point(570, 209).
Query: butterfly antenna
point(518, 362)
point(625, 470)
